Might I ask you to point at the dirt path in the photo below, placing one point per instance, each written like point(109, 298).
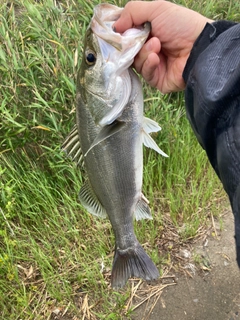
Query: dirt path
point(213, 295)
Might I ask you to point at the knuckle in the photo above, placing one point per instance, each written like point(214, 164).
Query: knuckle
point(129, 5)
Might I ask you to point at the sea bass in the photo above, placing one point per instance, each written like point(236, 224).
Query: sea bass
point(108, 137)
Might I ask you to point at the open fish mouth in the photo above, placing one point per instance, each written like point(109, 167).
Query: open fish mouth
point(117, 53)
point(102, 26)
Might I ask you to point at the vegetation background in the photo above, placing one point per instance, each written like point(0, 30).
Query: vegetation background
point(55, 258)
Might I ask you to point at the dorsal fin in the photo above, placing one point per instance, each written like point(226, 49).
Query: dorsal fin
point(90, 201)
point(71, 146)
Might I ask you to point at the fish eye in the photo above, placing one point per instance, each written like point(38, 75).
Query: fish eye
point(90, 57)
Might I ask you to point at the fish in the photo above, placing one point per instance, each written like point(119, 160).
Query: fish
point(107, 139)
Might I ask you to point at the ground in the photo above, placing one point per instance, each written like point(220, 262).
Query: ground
point(207, 288)
point(213, 293)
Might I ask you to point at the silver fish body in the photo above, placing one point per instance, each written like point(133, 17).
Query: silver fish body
point(109, 137)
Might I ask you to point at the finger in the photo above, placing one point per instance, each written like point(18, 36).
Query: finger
point(152, 45)
point(150, 69)
point(135, 13)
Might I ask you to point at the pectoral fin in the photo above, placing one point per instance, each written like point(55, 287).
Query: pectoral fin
point(90, 201)
point(71, 146)
point(106, 132)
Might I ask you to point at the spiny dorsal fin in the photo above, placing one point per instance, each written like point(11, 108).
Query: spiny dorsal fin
point(142, 209)
point(148, 127)
point(71, 146)
point(90, 201)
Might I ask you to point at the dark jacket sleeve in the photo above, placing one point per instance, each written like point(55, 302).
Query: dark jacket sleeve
point(212, 96)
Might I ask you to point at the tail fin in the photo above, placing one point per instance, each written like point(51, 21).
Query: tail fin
point(132, 262)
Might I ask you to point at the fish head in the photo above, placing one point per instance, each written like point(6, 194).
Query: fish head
point(104, 79)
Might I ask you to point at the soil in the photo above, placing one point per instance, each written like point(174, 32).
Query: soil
point(213, 293)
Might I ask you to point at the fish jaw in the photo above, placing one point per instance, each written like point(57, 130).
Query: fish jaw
point(117, 54)
point(107, 80)
point(126, 45)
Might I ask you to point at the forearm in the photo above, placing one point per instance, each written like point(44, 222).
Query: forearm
point(212, 76)
point(212, 94)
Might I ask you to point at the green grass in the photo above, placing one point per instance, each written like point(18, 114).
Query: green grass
point(51, 250)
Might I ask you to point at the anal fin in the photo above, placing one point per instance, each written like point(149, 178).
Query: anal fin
point(142, 209)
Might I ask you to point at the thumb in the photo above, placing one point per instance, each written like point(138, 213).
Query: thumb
point(135, 13)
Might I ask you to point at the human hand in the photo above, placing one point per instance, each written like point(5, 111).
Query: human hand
point(163, 57)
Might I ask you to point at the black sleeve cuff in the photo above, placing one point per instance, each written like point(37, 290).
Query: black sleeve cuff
point(208, 35)
point(212, 98)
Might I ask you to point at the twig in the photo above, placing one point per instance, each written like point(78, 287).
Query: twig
point(154, 304)
point(66, 309)
point(133, 292)
point(214, 227)
point(85, 308)
point(152, 294)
